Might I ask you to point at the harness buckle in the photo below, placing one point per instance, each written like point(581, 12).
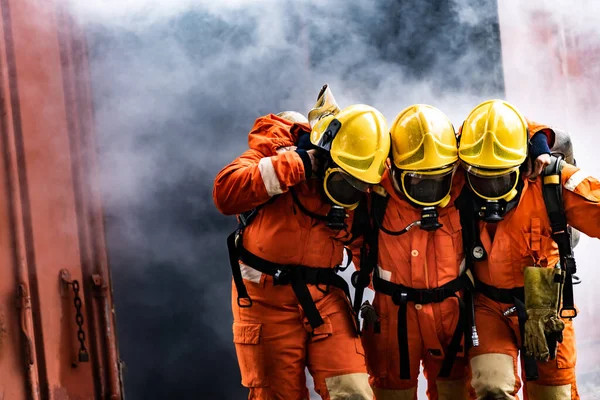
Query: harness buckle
point(399, 297)
point(568, 312)
point(244, 302)
point(570, 265)
point(245, 217)
point(281, 277)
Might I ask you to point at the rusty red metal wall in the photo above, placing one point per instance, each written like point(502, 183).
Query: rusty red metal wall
point(51, 228)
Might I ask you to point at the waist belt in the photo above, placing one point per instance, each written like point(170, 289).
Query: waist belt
point(515, 296)
point(297, 276)
point(401, 295)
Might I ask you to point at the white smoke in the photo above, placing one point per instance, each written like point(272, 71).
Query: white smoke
point(551, 51)
point(179, 83)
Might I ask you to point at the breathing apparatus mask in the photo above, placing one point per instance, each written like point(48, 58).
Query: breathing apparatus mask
point(343, 191)
point(355, 143)
point(426, 190)
point(496, 190)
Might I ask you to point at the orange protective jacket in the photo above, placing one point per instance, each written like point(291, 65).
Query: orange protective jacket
point(524, 239)
point(280, 232)
point(423, 260)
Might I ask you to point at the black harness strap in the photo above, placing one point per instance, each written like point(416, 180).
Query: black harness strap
point(402, 295)
point(235, 239)
point(515, 296)
point(361, 224)
point(552, 191)
point(243, 298)
point(298, 277)
point(472, 247)
point(368, 252)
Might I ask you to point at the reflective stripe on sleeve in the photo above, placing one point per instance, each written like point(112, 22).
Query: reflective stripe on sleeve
point(269, 177)
point(575, 180)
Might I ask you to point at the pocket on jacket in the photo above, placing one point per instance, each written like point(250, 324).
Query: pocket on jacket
point(250, 354)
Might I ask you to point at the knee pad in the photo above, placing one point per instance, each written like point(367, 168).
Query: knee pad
point(349, 386)
point(493, 376)
point(542, 392)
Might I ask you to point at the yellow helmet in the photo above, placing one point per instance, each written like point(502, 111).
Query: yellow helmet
point(493, 145)
point(357, 139)
point(358, 142)
point(424, 155)
point(494, 136)
point(423, 138)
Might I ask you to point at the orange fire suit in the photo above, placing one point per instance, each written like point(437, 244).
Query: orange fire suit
point(521, 239)
point(421, 260)
point(273, 339)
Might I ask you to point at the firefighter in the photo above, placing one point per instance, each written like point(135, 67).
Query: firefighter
point(417, 271)
point(511, 242)
point(294, 191)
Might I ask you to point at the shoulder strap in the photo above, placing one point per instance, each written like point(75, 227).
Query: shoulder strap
point(552, 191)
point(473, 248)
point(369, 251)
point(553, 199)
point(361, 224)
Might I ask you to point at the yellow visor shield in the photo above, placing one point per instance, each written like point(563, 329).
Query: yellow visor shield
point(427, 188)
point(343, 189)
point(493, 184)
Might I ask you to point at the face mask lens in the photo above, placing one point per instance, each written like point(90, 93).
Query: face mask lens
point(427, 189)
point(493, 187)
point(343, 188)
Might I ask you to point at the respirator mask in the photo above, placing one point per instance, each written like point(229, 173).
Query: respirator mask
point(426, 190)
point(495, 188)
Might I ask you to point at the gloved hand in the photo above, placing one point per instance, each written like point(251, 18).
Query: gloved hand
point(311, 155)
point(543, 328)
point(304, 142)
point(369, 316)
point(539, 155)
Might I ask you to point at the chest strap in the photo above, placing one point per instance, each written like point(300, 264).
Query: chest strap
point(402, 295)
point(516, 297)
point(298, 276)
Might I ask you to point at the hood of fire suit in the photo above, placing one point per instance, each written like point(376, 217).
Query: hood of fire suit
point(271, 133)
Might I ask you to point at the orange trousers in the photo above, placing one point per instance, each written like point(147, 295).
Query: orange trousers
point(425, 326)
point(494, 362)
point(274, 344)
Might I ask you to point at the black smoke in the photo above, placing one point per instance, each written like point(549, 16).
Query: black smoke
point(174, 100)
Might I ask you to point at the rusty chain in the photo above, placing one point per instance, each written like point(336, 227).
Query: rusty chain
point(84, 356)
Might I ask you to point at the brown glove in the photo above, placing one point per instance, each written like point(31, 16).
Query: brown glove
point(543, 327)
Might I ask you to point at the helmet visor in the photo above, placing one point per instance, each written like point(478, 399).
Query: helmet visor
point(344, 189)
point(427, 188)
point(492, 187)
